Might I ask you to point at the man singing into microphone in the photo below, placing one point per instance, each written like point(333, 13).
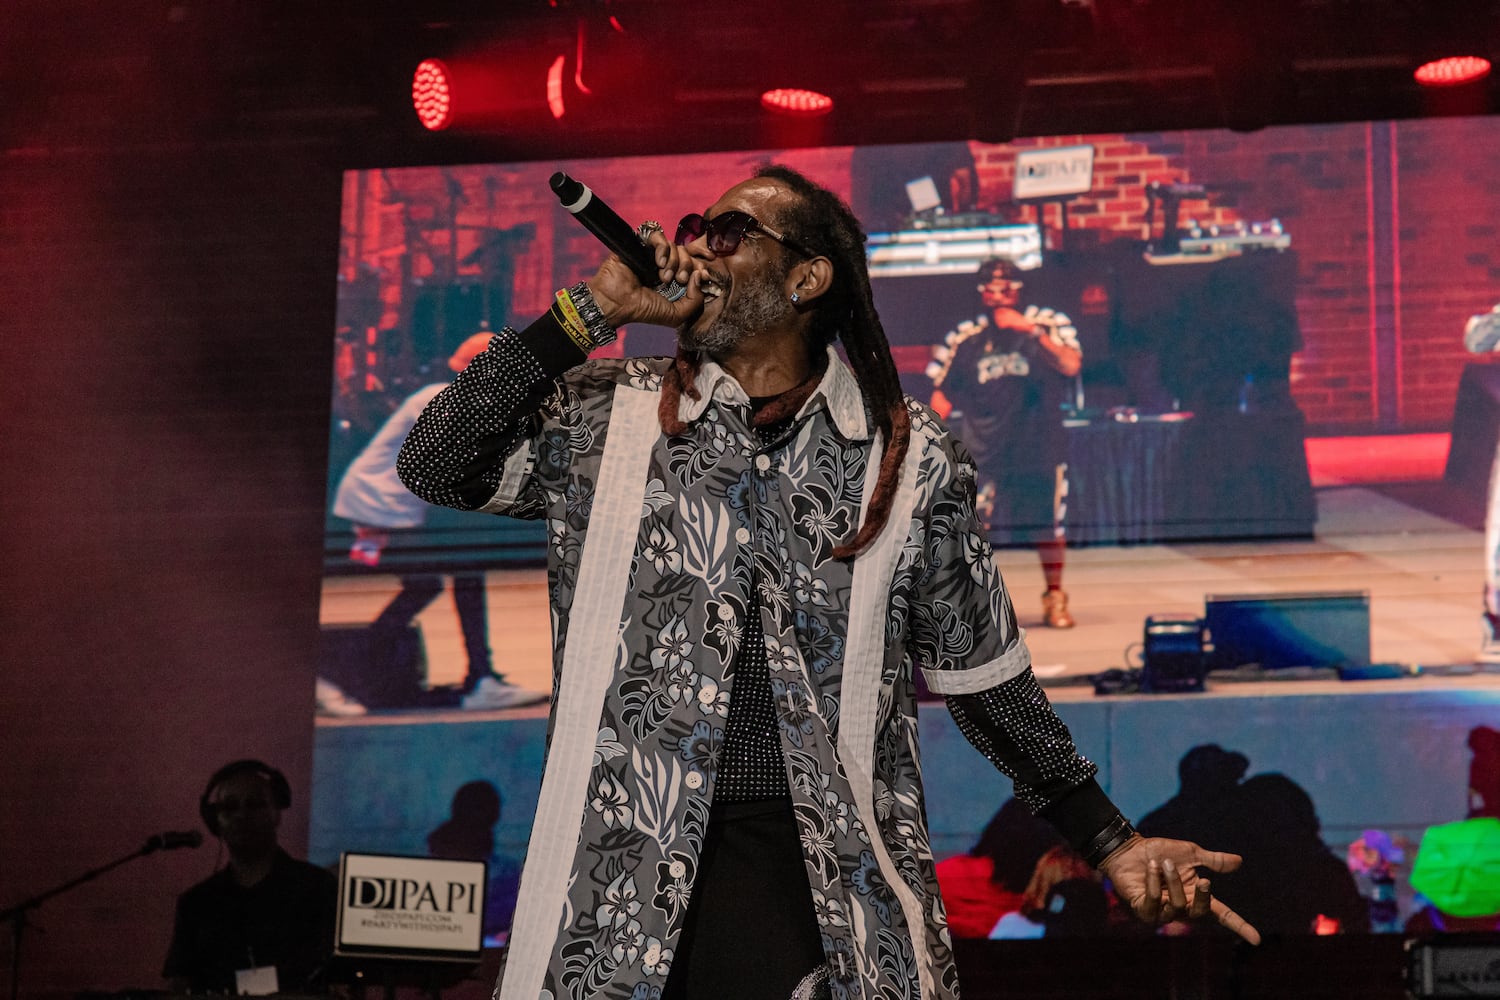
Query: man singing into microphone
point(752, 547)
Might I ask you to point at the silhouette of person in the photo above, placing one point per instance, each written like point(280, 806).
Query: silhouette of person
point(469, 835)
point(980, 887)
point(265, 919)
point(1289, 875)
point(1208, 781)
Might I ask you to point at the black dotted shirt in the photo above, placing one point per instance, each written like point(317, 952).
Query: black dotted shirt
point(752, 767)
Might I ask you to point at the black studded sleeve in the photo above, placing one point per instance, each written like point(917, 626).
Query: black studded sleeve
point(455, 454)
point(1015, 727)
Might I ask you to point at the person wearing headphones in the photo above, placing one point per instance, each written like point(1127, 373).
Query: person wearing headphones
point(265, 921)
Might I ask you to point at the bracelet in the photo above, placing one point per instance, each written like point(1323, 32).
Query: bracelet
point(571, 324)
point(1108, 840)
point(599, 330)
point(570, 311)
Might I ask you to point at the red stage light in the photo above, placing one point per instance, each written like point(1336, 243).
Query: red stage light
point(795, 101)
point(555, 103)
point(432, 94)
point(1452, 71)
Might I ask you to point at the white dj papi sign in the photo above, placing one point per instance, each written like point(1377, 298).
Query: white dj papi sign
point(1061, 172)
point(410, 907)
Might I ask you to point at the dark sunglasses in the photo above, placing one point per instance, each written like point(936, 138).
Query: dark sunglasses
point(727, 230)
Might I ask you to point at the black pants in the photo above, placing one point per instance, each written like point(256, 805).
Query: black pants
point(420, 590)
point(750, 933)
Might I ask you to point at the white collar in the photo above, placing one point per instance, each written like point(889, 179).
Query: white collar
point(837, 390)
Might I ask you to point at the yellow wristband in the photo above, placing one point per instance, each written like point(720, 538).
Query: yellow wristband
point(577, 333)
point(565, 302)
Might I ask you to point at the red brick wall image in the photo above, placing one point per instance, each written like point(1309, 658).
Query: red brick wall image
point(1381, 320)
point(1123, 166)
point(1392, 224)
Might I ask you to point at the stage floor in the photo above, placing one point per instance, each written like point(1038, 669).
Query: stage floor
point(1424, 574)
point(1390, 754)
point(1416, 549)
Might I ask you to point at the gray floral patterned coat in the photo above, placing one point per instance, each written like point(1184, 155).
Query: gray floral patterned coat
point(652, 541)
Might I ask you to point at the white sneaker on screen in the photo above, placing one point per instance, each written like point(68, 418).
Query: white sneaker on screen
point(492, 693)
point(333, 702)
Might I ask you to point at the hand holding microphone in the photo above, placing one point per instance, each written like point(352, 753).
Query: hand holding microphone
point(654, 295)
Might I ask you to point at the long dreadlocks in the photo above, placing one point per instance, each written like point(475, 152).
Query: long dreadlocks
point(821, 221)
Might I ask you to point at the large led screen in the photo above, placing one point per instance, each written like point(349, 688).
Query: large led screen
point(1267, 466)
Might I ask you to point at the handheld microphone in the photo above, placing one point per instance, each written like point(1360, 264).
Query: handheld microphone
point(613, 231)
point(172, 840)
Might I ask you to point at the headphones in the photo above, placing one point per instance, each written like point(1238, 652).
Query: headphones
point(281, 791)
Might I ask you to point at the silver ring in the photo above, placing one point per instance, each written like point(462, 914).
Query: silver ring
point(644, 230)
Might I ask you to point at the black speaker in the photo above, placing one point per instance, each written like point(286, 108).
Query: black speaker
point(1176, 658)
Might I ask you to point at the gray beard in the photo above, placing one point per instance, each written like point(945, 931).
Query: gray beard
point(756, 306)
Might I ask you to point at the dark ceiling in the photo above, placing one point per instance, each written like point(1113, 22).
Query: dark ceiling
point(670, 76)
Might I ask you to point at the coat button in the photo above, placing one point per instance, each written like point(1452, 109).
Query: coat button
point(762, 462)
point(694, 780)
point(742, 536)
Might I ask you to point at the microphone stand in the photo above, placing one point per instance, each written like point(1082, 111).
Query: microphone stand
point(17, 915)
